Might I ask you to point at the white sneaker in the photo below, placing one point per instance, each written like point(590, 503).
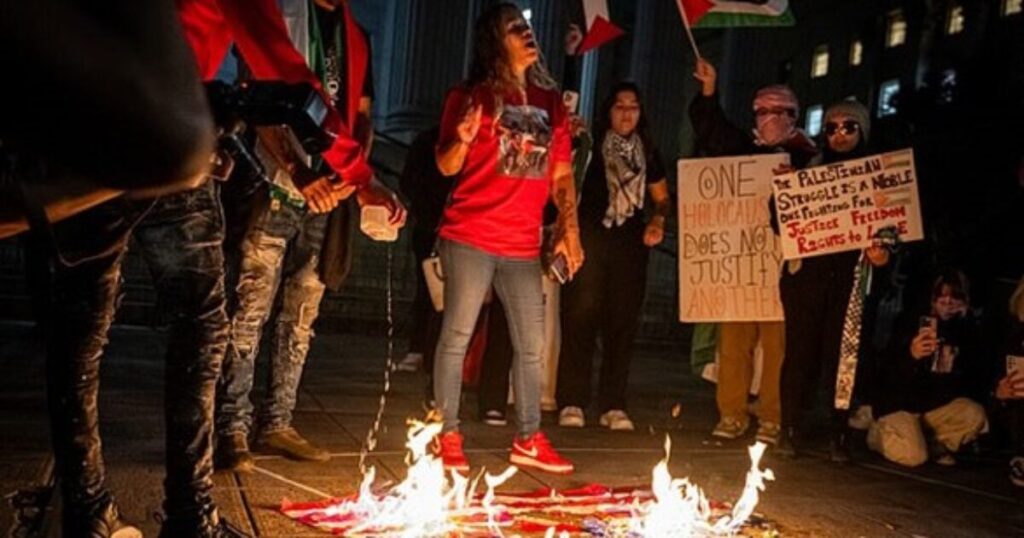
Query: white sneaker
point(411, 363)
point(617, 420)
point(861, 419)
point(1017, 471)
point(571, 417)
point(495, 417)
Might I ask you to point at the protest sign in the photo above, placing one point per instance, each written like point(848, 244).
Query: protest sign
point(729, 257)
point(841, 206)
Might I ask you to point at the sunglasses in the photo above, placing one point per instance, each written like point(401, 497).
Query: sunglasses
point(848, 127)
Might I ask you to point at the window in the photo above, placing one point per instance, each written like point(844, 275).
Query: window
point(1012, 7)
point(814, 116)
point(896, 32)
point(819, 65)
point(955, 20)
point(887, 98)
point(856, 52)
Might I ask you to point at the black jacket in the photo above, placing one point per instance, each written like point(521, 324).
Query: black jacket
point(426, 189)
point(718, 137)
point(910, 385)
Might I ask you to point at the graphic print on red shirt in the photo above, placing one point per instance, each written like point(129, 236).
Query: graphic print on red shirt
point(525, 133)
point(499, 195)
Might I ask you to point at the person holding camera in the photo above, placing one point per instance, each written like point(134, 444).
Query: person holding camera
point(933, 381)
point(505, 138)
point(624, 178)
point(293, 250)
point(180, 236)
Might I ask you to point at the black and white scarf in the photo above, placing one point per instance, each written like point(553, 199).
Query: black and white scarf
point(625, 168)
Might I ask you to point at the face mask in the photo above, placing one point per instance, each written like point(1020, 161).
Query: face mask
point(775, 128)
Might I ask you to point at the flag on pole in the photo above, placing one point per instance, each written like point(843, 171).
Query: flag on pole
point(734, 13)
point(600, 29)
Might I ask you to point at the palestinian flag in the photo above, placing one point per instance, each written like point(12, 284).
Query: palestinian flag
point(734, 13)
point(600, 29)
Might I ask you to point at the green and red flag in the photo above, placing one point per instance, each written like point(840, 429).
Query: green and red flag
point(735, 13)
point(600, 28)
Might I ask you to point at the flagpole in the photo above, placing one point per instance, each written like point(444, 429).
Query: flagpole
point(689, 32)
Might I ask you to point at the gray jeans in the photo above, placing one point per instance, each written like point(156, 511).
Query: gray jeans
point(469, 273)
point(280, 254)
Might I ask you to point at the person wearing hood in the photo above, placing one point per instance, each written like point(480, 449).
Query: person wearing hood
point(776, 110)
point(815, 297)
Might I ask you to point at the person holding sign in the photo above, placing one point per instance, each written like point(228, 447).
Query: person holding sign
point(775, 109)
point(624, 177)
point(505, 137)
point(816, 297)
point(932, 381)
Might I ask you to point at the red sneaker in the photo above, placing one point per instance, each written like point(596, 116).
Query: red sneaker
point(537, 452)
point(448, 446)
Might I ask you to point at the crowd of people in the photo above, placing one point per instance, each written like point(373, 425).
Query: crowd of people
point(922, 394)
point(221, 253)
point(538, 227)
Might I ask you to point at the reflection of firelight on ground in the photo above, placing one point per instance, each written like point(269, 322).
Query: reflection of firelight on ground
point(430, 503)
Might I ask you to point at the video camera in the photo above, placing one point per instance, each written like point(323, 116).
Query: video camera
point(299, 107)
point(260, 103)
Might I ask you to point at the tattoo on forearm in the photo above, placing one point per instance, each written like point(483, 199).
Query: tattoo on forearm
point(565, 201)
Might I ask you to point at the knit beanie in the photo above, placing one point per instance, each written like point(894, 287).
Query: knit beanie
point(854, 110)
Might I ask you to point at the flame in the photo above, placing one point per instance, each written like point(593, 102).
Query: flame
point(429, 502)
point(680, 509)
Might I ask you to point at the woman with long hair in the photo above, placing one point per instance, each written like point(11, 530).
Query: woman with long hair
point(624, 179)
point(505, 138)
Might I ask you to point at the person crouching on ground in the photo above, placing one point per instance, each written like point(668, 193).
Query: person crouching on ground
point(933, 381)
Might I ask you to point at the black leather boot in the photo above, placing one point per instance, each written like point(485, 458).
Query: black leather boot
point(786, 447)
point(103, 521)
point(839, 447)
point(206, 524)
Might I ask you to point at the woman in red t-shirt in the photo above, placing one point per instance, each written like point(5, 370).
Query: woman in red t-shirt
point(505, 136)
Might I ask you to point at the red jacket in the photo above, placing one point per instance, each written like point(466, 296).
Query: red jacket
point(257, 28)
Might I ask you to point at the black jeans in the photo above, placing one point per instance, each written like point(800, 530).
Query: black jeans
point(180, 238)
point(603, 300)
point(80, 307)
point(814, 301)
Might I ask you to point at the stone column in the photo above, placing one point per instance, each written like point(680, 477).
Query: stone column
point(425, 42)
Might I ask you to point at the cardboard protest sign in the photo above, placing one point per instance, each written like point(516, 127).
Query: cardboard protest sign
point(729, 257)
point(840, 206)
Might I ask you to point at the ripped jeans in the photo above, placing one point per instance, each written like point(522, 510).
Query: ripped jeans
point(280, 253)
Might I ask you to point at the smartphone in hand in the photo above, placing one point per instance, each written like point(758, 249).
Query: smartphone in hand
point(929, 322)
point(559, 269)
